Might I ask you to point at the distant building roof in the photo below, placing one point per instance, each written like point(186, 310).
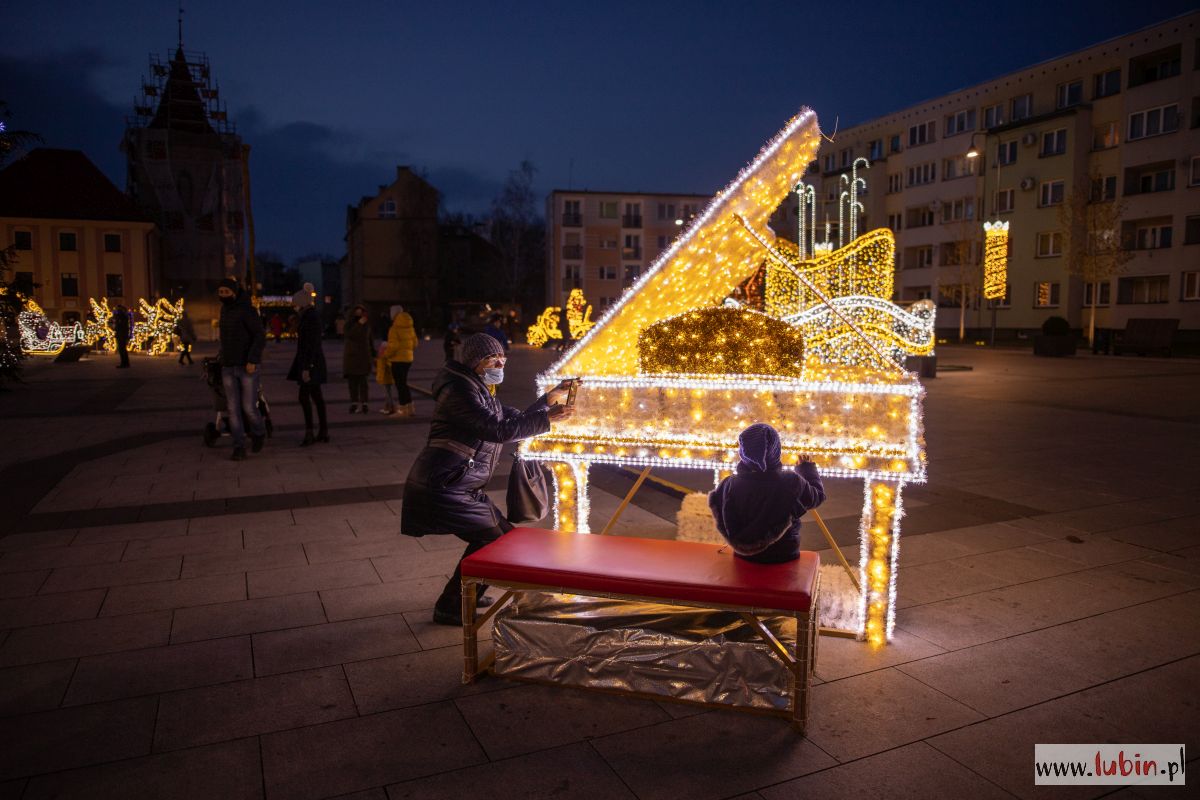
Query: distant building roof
point(62, 184)
point(181, 108)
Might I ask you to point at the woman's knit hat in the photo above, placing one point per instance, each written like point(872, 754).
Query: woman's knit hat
point(759, 447)
point(304, 297)
point(478, 346)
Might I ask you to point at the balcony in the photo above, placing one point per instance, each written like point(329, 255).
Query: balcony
point(631, 252)
point(572, 251)
point(572, 220)
point(631, 221)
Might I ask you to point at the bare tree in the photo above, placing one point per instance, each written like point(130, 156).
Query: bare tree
point(963, 260)
point(515, 220)
point(1093, 247)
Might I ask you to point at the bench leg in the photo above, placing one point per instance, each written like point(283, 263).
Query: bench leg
point(802, 671)
point(470, 642)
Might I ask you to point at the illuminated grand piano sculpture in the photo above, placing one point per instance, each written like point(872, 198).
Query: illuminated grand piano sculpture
point(672, 374)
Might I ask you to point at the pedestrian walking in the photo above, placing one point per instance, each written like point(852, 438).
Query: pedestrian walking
point(444, 492)
point(495, 329)
point(242, 341)
point(451, 342)
point(186, 332)
point(121, 331)
point(308, 367)
point(402, 342)
point(383, 376)
point(357, 357)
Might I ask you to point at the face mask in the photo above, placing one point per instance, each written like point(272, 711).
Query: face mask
point(493, 376)
point(228, 300)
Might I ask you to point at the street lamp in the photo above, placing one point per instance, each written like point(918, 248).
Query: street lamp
point(972, 153)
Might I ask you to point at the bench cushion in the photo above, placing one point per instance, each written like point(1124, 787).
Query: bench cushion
point(662, 569)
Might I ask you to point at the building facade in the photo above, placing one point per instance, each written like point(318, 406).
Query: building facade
point(601, 242)
point(392, 249)
point(75, 235)
point(1118, 122)
point(187, 171)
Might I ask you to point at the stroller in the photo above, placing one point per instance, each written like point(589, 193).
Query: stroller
point(210, 369)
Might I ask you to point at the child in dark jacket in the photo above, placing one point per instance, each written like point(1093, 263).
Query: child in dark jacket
point(758, 509)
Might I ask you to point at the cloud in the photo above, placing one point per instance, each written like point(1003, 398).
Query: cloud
point(303, 174)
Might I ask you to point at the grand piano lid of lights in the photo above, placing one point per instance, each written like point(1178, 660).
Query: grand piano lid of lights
point(676, 369)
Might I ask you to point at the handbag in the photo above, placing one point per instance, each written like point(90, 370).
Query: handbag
point(528, 491)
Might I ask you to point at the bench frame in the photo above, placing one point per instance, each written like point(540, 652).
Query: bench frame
point(799, 664)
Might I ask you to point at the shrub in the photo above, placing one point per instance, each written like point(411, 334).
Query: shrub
point(1056, 326)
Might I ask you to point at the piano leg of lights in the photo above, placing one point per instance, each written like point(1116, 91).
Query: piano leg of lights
point(879, 545)
point(571, 507)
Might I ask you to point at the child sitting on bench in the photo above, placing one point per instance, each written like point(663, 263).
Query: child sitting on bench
point(758, 509)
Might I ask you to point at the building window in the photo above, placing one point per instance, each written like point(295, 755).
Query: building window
point(960, 167)
point(1194, 172)
point(1049, 244)
point(1054, 143)
point(24, 282)
point(895, 222)
point(1045, 294)
point(922, 174)
point(1107, 83)
point(1190, 286)
point(666, 212)
point(112, 242)
point(1089, 289)
point(608, 244)
point(607, 273)
point(960, 122)
point(1051, 193)
point(1153, 122)
point(1155, 236)
point(1068, 94)
point(572, 276)
point(1003, 302)
point(1191, 230)
point(1006, 153)
point(114, 285)
point(921, 134)
point(875, 150)
point(1105, 136)
point(896, 181)
point(633, 216)
point(957, 210)
point(1150, 178)
point(633, 246)
point(1143, 289)
point(894, 144)
point(572, 213)
point(1155, 66)
point(954, 254)
point(918, 217)
point(632, 271)
point(993, 116)
point(847, 154)
point(918, 257)
point(608, 209)
point(23, 240)
point(830, 162)
point(387, 209)
point(1005, 200)
point(66, 242)
point(69, 284)
point(1104, 188)
point(1022, 107)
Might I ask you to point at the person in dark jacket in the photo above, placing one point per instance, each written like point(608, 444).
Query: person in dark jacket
point(495, 329)
point(121, 331)
point(444, 493)
point(242, 341)
point(186, 332)
point(357, 357)
point(758, 509)
point(308, 367)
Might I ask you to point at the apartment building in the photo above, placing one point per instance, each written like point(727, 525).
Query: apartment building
point(1119, 121)
point(601, 242)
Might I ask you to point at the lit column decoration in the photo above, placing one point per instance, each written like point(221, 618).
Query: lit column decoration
point(571, 507)
point(878, 551)
point(995, 259)
point(806, 232)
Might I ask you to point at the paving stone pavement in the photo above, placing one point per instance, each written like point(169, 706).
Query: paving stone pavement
point(174, 624)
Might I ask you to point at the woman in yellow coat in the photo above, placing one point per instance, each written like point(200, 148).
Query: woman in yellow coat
point(402, 341)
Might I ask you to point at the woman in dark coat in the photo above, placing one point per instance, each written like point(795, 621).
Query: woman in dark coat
point(308, 367)
point(357, 357)
point(445, 488)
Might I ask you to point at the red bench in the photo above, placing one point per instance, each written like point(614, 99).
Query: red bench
point(679, 573)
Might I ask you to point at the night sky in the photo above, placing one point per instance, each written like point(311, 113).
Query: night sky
point(631, 96)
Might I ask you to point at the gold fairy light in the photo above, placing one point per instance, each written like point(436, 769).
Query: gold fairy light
point(995, 260)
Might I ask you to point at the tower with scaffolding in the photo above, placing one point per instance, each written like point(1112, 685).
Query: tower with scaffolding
point(188, 169)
